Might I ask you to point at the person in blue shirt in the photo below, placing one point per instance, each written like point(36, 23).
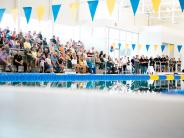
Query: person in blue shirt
point(91, 65)
point(55, 62)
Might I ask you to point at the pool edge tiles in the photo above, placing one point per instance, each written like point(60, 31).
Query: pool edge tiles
point(45, 77)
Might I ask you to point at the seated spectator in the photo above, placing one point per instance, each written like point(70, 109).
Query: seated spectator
point(42, 63)
point(81, 66)
point(34, 56)
point(18, 61)
point(74, 62)
point(53, 40)
point(91, 65)
point(48, 66)
point(110, 65)
point(4, 58)
point(55, 63)
point(27, 44)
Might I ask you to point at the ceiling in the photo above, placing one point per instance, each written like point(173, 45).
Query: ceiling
point(169, 11)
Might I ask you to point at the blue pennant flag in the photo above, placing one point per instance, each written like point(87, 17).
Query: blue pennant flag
point(92, 7)
point(135, 4)
point(179, 48)
point(133, 46)
point(55, 11)
point(119, 45)
point(182, 4)
point(27, 12)
point(163, 48)
point(2, 11)
point(147, 47)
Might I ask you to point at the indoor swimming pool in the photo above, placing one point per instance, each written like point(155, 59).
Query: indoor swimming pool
point(93, 108)
point(129, 83)
point(160, 86)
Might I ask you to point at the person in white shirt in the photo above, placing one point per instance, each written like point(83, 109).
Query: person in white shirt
point(49, 63)
point(74, 61)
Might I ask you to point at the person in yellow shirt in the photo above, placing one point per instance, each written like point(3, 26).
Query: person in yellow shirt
point(27, 45)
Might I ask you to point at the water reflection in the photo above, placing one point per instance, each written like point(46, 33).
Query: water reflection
point(123, 86)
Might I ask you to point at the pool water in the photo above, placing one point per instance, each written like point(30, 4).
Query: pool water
point(160, 86)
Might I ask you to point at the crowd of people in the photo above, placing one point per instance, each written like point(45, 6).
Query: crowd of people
point(34, 53)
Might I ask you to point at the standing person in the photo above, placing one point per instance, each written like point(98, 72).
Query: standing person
point(167, 63)
point(146, 64)
point(158, 63)
point(151, 66)
point(124, 63)
point(142, 64)
point(174, 64)
point(129, 66)
point(163, 63)
point(136, 63)
point(179, 65)
point(133, 64)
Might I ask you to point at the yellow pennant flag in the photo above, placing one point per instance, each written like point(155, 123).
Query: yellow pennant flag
point(14, 14)
point(126, 46)
point(156, 5)
point(155, 47)
point(113, 45)
point(40, 11)
point(170, 47)
point(74, 6)
point(139, 46)
point(110, 5)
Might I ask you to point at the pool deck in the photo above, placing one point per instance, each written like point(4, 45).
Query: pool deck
point(61, 113)
point(52, 77)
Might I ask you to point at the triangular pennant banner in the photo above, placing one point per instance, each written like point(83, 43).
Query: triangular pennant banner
point(155, 47)
point(135, 4)
point(119, 45)
point(133, 46)
point(147, 47)
point(27, 12)
point(14, 14)
point(2, 11)
point(55, 11)
point(126, 46)
point(74, 6)
point(179, 48)
point(110, 5)
point(182, 4)
point(156, 5)
point(40, 11)
point(92, 7)
point(170, 47)
point(162, 48)
point(139, 46)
